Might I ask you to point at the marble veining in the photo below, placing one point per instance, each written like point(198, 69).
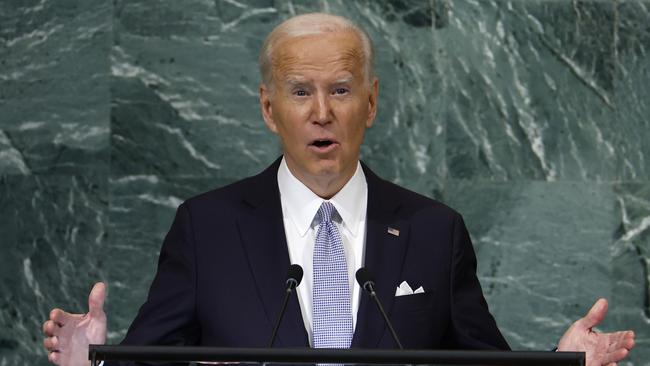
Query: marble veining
point(528, 117)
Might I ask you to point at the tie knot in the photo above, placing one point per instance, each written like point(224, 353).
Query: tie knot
point(326, 212)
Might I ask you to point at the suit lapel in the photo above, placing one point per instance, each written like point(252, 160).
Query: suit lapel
point(384, 258)
point(264, 240)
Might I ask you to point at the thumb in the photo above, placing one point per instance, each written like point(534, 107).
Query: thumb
point(96, 298)
point(596, 314)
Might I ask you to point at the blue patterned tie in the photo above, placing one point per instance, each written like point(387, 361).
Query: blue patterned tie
point(332, 318)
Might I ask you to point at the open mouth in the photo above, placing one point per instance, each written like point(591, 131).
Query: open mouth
point(322, 143)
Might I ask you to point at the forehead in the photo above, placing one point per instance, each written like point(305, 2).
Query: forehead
point(323, 54)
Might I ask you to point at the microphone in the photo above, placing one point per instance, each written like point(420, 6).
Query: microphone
point(294, 276)
point(364, 278)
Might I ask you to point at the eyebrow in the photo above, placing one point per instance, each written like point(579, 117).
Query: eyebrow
point(293, 81)
point(344, 80)
point(296, 81)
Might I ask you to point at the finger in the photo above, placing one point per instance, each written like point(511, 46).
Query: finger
point(613, 357)
point(50, 328)
point(613, 339)
point(51, 343)
point(59, 316)
point(54, 357)
point(630, 334)
point(628, 342)
point(96, 298)
point(596, 314)
point(616, 340)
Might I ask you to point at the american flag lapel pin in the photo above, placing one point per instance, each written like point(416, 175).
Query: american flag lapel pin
point(393, 231)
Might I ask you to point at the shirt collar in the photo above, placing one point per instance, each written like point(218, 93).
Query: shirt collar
point(300, 204)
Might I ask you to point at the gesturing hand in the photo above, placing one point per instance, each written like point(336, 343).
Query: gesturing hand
point(68, 335)
point(600, 348)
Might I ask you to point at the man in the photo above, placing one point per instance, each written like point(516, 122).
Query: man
point(221, 270)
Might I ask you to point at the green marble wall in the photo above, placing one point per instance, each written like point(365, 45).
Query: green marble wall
point(529, 117)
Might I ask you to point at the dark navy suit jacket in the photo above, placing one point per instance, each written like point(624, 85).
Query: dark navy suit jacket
point(222, 269)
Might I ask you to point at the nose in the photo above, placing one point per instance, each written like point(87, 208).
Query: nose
point(322, 111)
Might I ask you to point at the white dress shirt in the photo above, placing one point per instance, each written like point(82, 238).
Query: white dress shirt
point(299, 208)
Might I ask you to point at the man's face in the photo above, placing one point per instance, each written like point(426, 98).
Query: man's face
point(320, 105)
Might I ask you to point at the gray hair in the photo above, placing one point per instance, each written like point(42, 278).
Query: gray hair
point(308, 24)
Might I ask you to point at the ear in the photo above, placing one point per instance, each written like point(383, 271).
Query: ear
point(267, 110)
point(372, 102)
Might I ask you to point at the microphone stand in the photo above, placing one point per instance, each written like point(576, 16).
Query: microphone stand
point(371, 290)
point(364, 278)
point(287, 294)
point(294, 276)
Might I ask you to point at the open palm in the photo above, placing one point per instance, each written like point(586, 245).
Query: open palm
point(68, 335)
point(600, 348)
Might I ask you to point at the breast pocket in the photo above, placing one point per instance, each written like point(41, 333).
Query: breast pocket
point(415, 302)
point(413, 317)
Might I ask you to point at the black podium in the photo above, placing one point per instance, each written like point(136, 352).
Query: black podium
point(332, 356)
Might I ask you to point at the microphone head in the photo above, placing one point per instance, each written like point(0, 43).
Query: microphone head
point(364, 278)
point(294, 275)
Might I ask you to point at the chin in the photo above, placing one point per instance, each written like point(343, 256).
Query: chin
point(326, 169)
point(324, 172)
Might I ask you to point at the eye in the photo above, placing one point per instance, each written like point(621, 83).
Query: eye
point(341, 91)
point(300, 93)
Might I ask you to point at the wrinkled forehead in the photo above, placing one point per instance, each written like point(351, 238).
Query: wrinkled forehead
point(338, 52)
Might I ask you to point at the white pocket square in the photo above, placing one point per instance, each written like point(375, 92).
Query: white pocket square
point(404, 289)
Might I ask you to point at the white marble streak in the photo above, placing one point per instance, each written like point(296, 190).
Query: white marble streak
point(152, 179)
point(167, 201)
point(248, 13)
point(637, 229)
point(187, 145)
point(11, 159)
